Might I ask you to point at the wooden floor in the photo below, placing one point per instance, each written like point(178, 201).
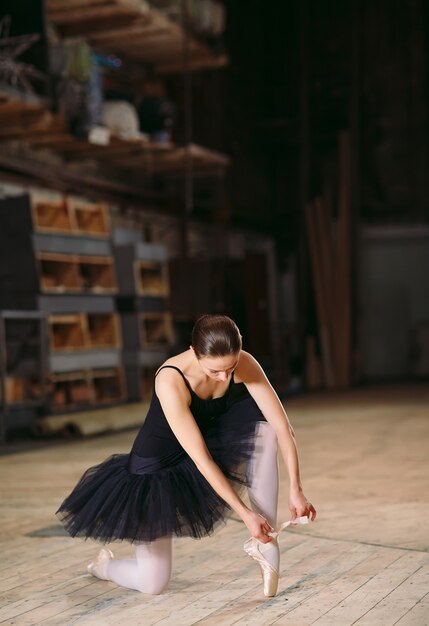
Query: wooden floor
point(365, 561)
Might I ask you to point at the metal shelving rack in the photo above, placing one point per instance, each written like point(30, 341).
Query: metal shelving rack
point(19, 398)
point(57, 263)
point(143, 302)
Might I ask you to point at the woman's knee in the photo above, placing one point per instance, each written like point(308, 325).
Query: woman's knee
point(153, 587)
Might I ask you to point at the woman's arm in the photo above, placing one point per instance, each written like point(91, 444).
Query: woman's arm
point(174, 399)
point(252, 375)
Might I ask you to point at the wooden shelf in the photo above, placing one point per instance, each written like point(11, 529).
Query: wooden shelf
point(97, 274)
point(133, 31)
point(91, 219)
point(87, 388)
point(35, 134)
point(67, 332)
point(70, 216)
point(84, 331)
point(51, 216)
point(61, 273)
point(19, 117)
point(174, 160)
point(151, 278)
point(22, 391)
point(103, 330)
point(108, 386)
point(155, 330)
point(71, 390)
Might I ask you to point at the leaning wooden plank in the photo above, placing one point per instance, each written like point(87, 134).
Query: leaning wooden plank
point(335, 312)
point(320, 296)
point(313, 368)
point(326, 260)
point(343, 264)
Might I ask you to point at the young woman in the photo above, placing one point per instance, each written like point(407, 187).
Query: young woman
point(213, 424)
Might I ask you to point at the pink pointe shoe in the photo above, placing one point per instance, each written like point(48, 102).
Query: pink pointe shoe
point(270, 576)
point(98, 567)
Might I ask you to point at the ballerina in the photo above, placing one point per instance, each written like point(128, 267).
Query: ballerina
point(214, 424)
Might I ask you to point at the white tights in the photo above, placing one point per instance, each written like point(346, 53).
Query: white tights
point(264, 485)
point(150, 571)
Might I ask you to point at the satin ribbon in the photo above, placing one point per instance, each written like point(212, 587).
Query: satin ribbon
point(292, 522)
point(255, 549)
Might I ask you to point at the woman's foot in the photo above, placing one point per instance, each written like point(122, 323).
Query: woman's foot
point(98, 567)
point(270, 575)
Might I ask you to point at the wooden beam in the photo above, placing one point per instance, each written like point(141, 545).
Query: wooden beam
point(343, 265)
point(88, 14)
point(320, 296)
point(201, 63)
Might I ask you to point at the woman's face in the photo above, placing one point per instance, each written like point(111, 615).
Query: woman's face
point(219, 368)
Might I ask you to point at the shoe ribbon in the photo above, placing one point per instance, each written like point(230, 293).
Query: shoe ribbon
point(292, 522)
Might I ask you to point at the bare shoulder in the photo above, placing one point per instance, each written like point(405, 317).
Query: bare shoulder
point(248, 369)
point(169, 383)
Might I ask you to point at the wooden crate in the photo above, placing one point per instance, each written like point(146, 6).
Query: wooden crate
point(84, 331)
point(151, 278)
point(15, 390)
point(87, 388)
point(52, 215)
point(67, 332)
point(71, 390)
point(59, 272)
point(69, 216)
point(108, 385)
point(69, 272)
point(91, 219)
point(97, 274)
point(20, 390)
point(103, 330)
point(155, 330)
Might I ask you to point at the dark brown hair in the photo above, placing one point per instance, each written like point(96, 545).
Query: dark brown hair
point(215, 335)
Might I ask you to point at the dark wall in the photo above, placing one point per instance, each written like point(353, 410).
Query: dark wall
point(299, 73)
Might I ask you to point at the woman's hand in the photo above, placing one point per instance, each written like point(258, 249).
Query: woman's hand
point(299, 506)
point(258, 526)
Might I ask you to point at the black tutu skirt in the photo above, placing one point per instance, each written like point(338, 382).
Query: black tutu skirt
point(142, 499)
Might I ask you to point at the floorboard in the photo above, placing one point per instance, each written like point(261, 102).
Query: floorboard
point(364, 562)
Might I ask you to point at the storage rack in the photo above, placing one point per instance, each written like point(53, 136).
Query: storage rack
point(145, 320)
point(23, 344)
point(56, 259)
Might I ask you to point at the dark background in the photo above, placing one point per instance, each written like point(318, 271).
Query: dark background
point(299, 75)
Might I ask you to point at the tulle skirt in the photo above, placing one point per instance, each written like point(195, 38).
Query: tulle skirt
point(139, 499)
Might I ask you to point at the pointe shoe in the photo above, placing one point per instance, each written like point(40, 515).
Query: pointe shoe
point(270, 576)
point(104, 556)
